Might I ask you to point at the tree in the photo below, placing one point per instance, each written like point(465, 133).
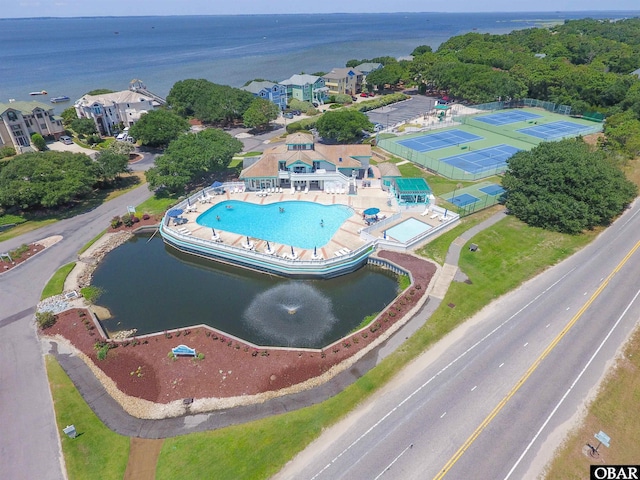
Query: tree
point(260, 113)
point(390, 74)
point(39, 142)
point(421, 49)
point(68, 116)
point(209, 102)
point(158, 127)
point(100, 91)
point(111, 164)
point(84, 126)
point(46, 179)
point(344, 125)
point(565, 186)
point(193, 157)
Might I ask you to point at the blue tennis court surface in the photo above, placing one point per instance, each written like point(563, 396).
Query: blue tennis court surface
point(463, 200)
point(435, 141)
point(549, 131)
point(493, 189)
point(407, 230)
point(478, 161)
point(505, 118)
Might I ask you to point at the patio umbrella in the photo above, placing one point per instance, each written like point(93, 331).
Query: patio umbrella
point(293, 254)
point(188, 201)
point(369, 212)
point(315, 253)
point(216, 184)
point(214, 232)
point(175, 212)
point(248, 241)
point(445, 213)
point(268, 246)
point(384, 234)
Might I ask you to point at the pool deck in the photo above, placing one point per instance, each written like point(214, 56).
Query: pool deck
point(347, 236)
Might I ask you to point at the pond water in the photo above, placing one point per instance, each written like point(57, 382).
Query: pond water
point(153, 287)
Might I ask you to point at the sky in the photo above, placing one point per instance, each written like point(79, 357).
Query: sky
point(77, 8)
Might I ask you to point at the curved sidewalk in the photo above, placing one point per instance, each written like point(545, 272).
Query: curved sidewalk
point(112, 414)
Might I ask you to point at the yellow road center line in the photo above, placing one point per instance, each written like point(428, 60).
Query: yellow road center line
point(465, 446)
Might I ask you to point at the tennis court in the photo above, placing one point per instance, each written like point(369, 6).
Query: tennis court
point(493, 189)
point(463, 200)
point(436, 141)
point(549, 131)
point(506, 118)
point(476, 161)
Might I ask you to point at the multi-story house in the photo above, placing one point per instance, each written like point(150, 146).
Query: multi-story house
point(341, 81)
point(20, 120)
point(110, 109)
point(269, 91)
point(307, 88)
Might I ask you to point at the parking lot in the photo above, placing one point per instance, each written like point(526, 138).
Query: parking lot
point(403, 111)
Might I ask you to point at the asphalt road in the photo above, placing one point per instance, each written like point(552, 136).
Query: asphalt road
point(493, 399)
point(29, 445)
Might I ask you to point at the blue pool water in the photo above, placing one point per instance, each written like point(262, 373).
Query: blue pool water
point(405, 231)
point(299, 224)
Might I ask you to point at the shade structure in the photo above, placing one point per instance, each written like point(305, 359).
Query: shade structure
point(175, 212)
point(216, 184)
point(371, 211)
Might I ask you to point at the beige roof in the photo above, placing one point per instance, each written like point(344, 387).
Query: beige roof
point(333, 153)
point(23, 107)
point(339, 73)
point(339, 155)
point(388, 169)
point(299, 138)
point(125, 96)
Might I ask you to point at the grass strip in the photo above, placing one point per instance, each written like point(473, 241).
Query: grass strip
point(55, 285)
point(619, 393)
point(91, 242)
point(96, 452)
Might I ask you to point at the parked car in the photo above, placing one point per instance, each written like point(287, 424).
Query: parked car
point(354, 98)
point(296, 112)
point(364, 94)
point(315, 104)
point(288, 115)
point(66, 140)
point(378, 127)
point(371, 94)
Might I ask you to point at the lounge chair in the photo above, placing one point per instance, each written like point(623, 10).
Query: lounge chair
point(184, 231)
point(435, 215)
point(293, 190)
point(345, 251)
point(338, 253)
point(306, 190)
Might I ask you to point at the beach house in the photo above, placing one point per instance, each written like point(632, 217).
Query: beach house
point(20, 120)
point(269, 91)
point(342, 81)
point(307, 88)
point(109, 110)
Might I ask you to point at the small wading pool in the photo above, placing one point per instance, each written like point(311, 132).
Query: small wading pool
point(405, 231)
point(299, 224)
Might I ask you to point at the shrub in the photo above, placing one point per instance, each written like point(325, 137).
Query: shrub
point(116, 222)
point(199, 356)
point(45, 319)
point(7, 152)
point(135, 219)
point(91, 293)
point(343, 99)
point(39, 142)
point(146, 216)
point(127, 219)
point(102, 352)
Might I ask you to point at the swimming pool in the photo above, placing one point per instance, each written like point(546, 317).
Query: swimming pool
point(299, 224)
point(405, 231)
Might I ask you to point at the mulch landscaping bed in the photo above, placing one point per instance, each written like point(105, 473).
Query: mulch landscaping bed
point(33, 248)
point(141, 367)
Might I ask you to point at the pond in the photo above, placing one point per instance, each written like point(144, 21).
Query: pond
point(152, 287)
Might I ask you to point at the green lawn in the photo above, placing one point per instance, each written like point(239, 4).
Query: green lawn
point(55, 285)
point(96, 452)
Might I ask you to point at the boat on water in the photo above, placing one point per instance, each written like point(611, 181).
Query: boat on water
point(41, 92)
point(60, 99)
